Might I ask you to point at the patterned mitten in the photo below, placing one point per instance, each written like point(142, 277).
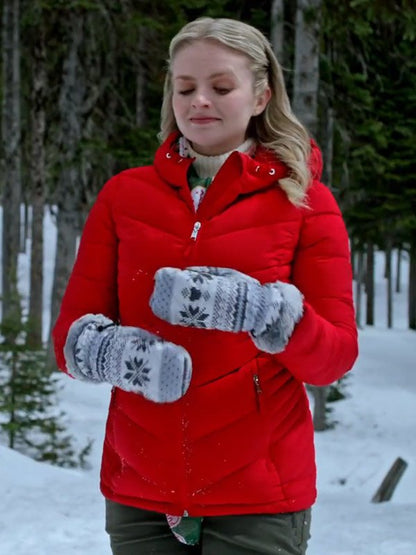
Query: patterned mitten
point(97, 350)
point(283, 311)
point(227, 300)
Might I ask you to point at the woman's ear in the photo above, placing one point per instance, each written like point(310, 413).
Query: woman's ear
point(262, 101)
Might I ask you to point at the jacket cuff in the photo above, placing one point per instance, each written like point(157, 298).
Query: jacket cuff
point(81, 340)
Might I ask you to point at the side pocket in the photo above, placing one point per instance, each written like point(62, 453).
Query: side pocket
point(301, 522)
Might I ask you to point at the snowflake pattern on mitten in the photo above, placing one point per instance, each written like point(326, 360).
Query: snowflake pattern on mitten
point(127, 357)
point(227, 300)
point(206, 299)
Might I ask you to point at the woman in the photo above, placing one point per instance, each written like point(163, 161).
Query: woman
point(208, 288)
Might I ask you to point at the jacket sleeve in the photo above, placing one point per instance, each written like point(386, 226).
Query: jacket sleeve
point(324, 345)
point(92, 286)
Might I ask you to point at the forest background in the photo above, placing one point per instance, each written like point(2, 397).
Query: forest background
point(81, 92)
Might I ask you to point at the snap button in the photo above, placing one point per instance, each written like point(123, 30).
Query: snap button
point(272, 171)
point(257, 169)
point(168, 155)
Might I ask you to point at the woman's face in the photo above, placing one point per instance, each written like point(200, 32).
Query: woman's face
point(213, 96)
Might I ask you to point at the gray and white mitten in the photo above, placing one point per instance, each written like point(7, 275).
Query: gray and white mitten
point(283, 311)
point(97, 350)
point(227, 300)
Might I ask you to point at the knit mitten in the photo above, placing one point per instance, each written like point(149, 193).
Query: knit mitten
point(283, 311)
point(227, 300)
point(97, 350)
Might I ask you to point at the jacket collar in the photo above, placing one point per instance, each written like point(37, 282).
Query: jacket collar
point(240, 174)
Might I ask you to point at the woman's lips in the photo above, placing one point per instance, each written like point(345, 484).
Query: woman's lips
point(203, 120)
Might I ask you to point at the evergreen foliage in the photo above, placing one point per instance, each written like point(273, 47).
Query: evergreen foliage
point(367, 72)
point(30, 420)
point(369, 66)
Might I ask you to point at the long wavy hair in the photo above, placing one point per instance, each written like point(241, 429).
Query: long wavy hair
point(276, 128)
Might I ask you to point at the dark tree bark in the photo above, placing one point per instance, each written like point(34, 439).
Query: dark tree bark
point(389, 284)
point(359, 279)
point(70, 179)
point(399, 270)
point(82, 84)
point(141, 79)
point(370, 284)
point(11, 149)
point(306, 70)
point(412, 284)
point(277, 28)
point(37, 178)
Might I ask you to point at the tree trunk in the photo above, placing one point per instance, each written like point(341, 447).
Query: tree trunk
point(389, 284)
point(141, 80)
point(319, 411)
point(326, 137)
point(277, 28)
point(11, 139)
point(390, 481)
point(399, 270)
point(67, 239)
point(37, 177)
point(70, 183)
point(24, 222)
point(306, 70)
point(412, 284)
point(359, 285)
point(370, 284)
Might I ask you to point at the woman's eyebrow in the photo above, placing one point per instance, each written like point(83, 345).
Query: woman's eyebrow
point(212, 76)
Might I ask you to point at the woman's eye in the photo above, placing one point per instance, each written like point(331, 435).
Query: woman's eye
point(222, 90)
point(185, 92)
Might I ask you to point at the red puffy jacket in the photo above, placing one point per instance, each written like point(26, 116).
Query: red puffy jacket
point(241, 439)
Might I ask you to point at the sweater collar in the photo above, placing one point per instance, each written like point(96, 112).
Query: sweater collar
point(208, 166)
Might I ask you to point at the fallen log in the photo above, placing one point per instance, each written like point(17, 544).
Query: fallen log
point(390, 481)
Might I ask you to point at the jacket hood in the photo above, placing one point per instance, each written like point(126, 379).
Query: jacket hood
point(264, 162)
point(315, 161)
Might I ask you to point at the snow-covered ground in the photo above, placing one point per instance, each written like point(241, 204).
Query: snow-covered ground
point(46, 510)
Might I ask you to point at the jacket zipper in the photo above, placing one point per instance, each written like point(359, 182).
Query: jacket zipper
point(258, 389)
point(195, 230)
point(194, 235)
point(257, 384)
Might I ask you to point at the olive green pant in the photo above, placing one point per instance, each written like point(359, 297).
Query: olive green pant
point(137, 532)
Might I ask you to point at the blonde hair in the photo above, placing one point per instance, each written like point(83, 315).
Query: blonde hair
point(276, 128)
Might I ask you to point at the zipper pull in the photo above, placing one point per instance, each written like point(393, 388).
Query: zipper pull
point(195, 230)
point(257, 384)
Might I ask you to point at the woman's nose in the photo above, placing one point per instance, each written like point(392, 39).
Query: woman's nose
point(200, 99)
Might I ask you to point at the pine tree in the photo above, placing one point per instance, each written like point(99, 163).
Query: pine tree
point(30, 421)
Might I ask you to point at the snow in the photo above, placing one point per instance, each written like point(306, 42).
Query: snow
point(46, 510)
